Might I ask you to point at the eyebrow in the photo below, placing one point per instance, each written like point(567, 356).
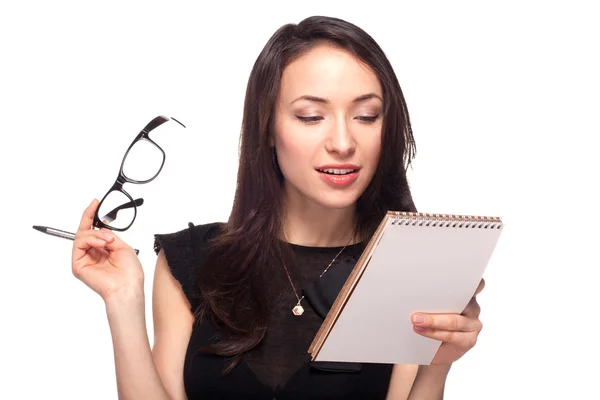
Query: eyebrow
point(325, 101)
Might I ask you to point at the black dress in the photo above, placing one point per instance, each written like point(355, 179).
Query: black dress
point(280, 367)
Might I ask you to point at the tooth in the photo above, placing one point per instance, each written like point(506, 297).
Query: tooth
point(337, 171)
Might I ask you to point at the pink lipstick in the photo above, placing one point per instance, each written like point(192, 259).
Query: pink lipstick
point(338, 174)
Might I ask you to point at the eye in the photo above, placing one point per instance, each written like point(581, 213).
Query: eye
point(309, 119)
point(368, 118)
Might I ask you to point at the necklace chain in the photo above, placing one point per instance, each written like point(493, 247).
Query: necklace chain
point(298, 309)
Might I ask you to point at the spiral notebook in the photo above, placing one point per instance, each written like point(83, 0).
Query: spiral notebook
point(415, 262)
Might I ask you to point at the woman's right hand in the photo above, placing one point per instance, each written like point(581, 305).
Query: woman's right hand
point(102, 261)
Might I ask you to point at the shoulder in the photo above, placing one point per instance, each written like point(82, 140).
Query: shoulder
point(183, 251)
point(185, 239)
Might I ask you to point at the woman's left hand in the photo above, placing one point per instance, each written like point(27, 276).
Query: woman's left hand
point(458, 333)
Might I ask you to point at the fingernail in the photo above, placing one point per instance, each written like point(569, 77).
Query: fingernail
point(108, 236)
point(420, 328)
point(419, 319)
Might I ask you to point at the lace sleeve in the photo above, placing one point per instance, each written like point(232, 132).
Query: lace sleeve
point(179, 252)
point(184, 253)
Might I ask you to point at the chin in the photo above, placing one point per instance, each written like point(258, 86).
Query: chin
point(337, 201)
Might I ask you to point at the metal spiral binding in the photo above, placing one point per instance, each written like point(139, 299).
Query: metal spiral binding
point(445, 220)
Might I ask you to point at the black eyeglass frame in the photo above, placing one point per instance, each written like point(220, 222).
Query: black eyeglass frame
point(122, 179)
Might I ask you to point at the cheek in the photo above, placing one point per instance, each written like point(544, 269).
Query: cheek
point(372, 151)
point(288, 148)
point(293, 147)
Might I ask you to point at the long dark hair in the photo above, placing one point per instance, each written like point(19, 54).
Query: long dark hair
point(241, 260)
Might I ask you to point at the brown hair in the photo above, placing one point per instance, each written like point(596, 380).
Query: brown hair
point(242, 258)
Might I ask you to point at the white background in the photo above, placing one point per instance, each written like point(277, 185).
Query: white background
point(504, 101)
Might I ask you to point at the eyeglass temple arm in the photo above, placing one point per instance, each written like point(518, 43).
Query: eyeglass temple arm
point(159, 121)
point(112, 215)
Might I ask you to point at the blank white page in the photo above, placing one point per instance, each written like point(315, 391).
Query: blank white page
point(414, 269)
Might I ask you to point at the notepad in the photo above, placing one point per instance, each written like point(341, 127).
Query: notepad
point(415, 262)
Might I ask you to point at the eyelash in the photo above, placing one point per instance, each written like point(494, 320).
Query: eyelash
point(312, 120)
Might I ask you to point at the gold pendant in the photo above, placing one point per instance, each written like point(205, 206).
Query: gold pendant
point(298, 310)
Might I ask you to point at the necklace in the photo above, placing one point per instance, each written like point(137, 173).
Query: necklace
point(298, 309)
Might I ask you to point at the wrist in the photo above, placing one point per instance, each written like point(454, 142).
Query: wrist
point(435, 371)
point(125, 300)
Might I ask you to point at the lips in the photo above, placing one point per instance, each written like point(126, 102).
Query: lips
point(338, 175)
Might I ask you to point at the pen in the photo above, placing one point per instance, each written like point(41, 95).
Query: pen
point(61, 234)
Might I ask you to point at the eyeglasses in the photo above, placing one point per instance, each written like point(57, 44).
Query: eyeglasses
point(143, 161)
point(112, 215)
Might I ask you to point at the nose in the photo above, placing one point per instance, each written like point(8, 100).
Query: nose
point(340, 139)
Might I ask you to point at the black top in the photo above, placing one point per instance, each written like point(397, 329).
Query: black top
point(280, 367)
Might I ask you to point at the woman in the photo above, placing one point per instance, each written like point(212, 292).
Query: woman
point(325, 144)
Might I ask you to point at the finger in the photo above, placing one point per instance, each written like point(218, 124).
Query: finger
point(114, 242)
point(447, 322)
point(462, 340)
point(472, 310)
point(101, 234)
point(84, 242)
point(88, 216)
point(480, 287)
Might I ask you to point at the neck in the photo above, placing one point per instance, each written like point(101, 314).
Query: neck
point(308, 224)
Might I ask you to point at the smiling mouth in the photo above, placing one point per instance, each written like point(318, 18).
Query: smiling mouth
point(335, 171)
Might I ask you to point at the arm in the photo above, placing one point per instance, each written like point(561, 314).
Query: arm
point(430, 382)
point(418, 382)
point(141, 372)
point(403, 377)
point(173, 321)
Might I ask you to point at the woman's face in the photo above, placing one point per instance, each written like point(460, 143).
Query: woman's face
point(328, 127)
